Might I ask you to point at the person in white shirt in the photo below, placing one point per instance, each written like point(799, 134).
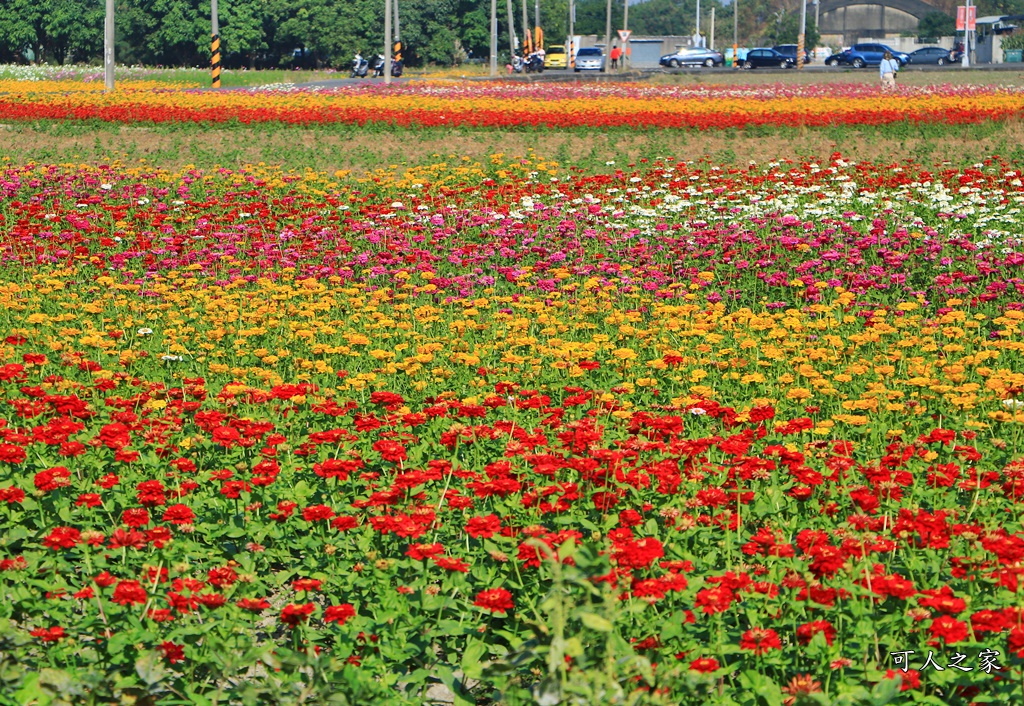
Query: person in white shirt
point(887, 70)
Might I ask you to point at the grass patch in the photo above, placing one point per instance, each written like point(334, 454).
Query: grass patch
point(331, 147)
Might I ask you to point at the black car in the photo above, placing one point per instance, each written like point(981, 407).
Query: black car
point(768, 58)
point(790, 50)
point(931, 55)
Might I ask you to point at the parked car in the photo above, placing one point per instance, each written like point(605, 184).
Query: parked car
point(589, 59)
point(790, 50)
point(860, 55)
point(556, 58)
point(693, 57)
point(767, 58)
point(931, 55)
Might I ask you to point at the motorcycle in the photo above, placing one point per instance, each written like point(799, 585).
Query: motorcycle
point(534, 64)
point(359, 67)
point(378, 67)
point(517, 64)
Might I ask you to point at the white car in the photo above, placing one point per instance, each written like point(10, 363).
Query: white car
point(589, 59)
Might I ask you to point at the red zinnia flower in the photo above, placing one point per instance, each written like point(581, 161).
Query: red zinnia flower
point(421, 552)
point(339, 613)
point(313, 513)
point(714, 600)
point(948, 629)
point(52, 479)
point(128, 593)
point(173, 653)
point(12, 495)
point(62, 538)
point(390, 450)
point(293, 614)
point(496, 600)
point(807, 631)
point(760, 640)
point(254, 604)
point(221, 576)
point(451, 563)
point(483, 526)
point(135, 517)
point(179, 515)
point(48, 634)
point(704, 664)
point(343, 523)
point(911, 678)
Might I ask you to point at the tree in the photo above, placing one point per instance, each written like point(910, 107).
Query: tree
point(20, 27)
point(936, 24)
point(786, 30)
point(242, 29)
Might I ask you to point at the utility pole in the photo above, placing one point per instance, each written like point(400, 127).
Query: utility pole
point(712, 44)
point(803, 32)
point(735, 34)
point(698, 18)
point(108, 47)
point(398, 33)
point(572, 37)
point(511, 28)
point(608, 34)
point(494, 38)
point(966, 60)
point(387, 42)
point(214, 45)
point(526, 20)
point(625, 26)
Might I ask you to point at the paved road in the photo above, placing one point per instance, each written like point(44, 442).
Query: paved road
point(563, 75)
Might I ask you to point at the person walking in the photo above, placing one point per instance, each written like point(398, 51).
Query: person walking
point(616, 53)
point(887, 70)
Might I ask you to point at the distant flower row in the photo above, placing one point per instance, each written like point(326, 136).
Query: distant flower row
point(484, 104)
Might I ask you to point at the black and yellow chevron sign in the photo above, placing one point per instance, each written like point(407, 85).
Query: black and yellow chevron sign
point(215, 60)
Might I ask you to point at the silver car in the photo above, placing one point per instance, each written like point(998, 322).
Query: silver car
point(589, 59)
point(693, 57)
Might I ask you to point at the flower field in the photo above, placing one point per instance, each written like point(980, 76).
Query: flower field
point(675, 433)
point(549, 105)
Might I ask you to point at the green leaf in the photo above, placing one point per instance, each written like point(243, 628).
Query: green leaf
point(472, 664)
point(885, 692)
point(149, 668)
point(596, 622)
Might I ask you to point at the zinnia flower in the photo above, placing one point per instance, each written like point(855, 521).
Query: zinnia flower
point(495, 600)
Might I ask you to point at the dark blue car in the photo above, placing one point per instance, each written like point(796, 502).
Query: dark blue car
point(860, 55)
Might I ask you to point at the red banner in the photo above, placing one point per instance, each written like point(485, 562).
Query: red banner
point(966, 18)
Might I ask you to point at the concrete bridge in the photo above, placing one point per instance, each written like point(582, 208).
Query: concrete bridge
point(851, 20)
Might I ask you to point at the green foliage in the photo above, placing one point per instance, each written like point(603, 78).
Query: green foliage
point(653, 17)
point(786, 30)
point(936, 24)
point(260, 33)
point(1014, 41)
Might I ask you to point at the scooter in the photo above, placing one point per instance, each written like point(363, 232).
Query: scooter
point(359, 68)
point(378, 67)
point(534, 64)
point(517, 64)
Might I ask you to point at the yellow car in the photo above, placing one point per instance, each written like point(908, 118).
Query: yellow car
point(555, 57)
